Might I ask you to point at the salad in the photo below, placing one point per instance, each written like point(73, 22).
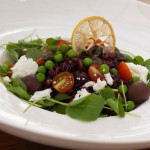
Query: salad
point(85, 78)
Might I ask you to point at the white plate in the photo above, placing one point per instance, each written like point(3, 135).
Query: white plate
point(55, 18)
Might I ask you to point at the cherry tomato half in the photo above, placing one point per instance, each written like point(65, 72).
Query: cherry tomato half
point(61, 42)
point(94, 72)
point(63, 82)
point(124, 71)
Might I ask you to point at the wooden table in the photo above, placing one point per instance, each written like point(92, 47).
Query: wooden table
point(9, 142)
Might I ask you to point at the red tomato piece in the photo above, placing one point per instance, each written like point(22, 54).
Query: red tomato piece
point(39, 61)
point(124, 71)
point(61, 42)
point(94, 72)
point(63, 82)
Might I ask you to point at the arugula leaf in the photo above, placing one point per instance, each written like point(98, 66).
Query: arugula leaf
point(19, 92)
point(88, 108)
point(61, 97)
point(107, 93)
point(116, 106)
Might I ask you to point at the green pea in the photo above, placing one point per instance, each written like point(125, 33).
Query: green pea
point(130, 105)
point(135, 79)
point(53, 47)
point(40, 77)
point(49, 64)
point(64, 48)
point(122, 88)
point(71, 53)
point(42, 69)
point(114, 71)
point(104, 69)
point(58, 57)
point(138, 59)
point(87, 62)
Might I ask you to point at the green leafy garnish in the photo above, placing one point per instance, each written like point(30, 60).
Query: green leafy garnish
point(45, 103)
point(116, 106)
point(107, 93)
point(61, 97)
point(3, 71)
point(18, 83)
point(34, 53)
point(146, 63)
point(61, 109)
point(87, 109)
point(19, 92)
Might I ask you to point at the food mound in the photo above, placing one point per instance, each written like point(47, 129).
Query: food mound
point(86, 78)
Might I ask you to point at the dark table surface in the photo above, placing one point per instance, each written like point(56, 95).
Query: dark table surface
point(9, 142)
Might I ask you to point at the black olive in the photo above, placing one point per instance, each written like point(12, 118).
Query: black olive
point(95, 51)
point(32, 83)
point(138, 92)
point(97, 60)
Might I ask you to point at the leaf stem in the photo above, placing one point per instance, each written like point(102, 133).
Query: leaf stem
point(107, 108)
point(124, 96)
point(49, 99)
point(30, 35)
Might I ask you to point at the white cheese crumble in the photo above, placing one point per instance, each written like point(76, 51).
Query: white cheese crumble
point(81, 93)
point(138, 71)
point(7, 79)
point(41, 94)
point(99, 85)
point(24, 67)
point(109, 79)
point(89, 84)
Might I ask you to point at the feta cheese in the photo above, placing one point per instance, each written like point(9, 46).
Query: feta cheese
point(81, 93)
point(139, 71)
point(99, 85)
point(41, 94)
point(7, 79)
point(24, 67)
point(109, 79)
point(89, 84)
